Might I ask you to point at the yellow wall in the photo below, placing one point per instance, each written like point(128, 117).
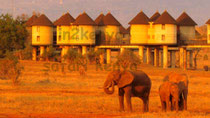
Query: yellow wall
point(187, 32)
point(170, 34)
point(45, 33)
point(208, 34)
point(139, 34)
point(112, 33)
point(124, 38)
point(79, 35)
point(63, 34)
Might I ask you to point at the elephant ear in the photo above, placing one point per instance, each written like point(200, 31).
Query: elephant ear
point(125, 79)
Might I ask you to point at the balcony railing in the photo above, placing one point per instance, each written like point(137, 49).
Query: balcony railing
point(115, 42)
point(192, 42)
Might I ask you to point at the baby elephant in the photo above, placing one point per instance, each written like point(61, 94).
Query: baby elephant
point(169, 96)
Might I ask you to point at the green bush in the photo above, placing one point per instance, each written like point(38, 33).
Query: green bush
point(127, 58)
point(73, 57)
point(10, 68)
point(205, 57)
point(13, 34)
point(24, 54)
point(93, 56)
point(49, 53)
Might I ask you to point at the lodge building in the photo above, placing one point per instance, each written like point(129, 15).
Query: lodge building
point(157, 38)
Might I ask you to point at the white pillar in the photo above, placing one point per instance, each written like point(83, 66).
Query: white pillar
point(148, 55)
point(42, 49)
point(108, 56)
point(156, 57)
point(122, 50)
point(181, 57)
point(165, 56)
point(34, 56)
point(141, 53)
point(84, 50)
point(185, 59)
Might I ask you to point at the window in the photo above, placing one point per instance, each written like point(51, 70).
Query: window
point(59, 38)
point(163, 26)
point(148, 36)
point(59, 28)
point(153, 36)
point(38, 29)
point(38, 38)
point(163, 37)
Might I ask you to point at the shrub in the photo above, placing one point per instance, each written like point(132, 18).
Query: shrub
point(25, 54)
point(72, 56)
point(127, 58)
point(94, 56)
point(49, 54)
point(206, 68)
point(10, 68)
point(205, 57)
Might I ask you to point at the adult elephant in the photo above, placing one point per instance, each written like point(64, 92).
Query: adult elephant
point(130, 84)
point(182, 81)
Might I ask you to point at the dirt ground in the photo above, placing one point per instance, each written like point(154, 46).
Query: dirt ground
point(61, 92)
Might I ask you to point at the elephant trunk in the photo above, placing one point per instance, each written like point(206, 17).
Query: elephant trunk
point(106, 88)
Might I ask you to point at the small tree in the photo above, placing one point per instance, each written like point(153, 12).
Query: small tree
point(10, 68)
point(73, 57)
point(25, 54)
point(196, 51)
point(50, 53)
point(94, 56)
point(127, 58)
point(13, 34)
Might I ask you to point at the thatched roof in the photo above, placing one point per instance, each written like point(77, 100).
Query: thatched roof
point(109, 19)
point(140, 18)
point(123, 30)
point(99, 20)
point(65, 19)
point(155, 16)
point(31, 20)
point(185, 20)
point(165, 18)
point(42, 21)
point(84, 19)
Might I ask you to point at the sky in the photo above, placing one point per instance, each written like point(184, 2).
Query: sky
point(123, 10)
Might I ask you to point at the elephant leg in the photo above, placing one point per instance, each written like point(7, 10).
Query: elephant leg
point(185, 99)
point(163, 105)
point(146, 104)
point(168, 105)
point(177, 105)
point(121, 99)
point(172, 104)
point(128, 97)
point(181, 104)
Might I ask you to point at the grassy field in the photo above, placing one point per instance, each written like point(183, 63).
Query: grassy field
point(55, 93)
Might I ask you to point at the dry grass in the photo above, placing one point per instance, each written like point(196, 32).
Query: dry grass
point(66, 94)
